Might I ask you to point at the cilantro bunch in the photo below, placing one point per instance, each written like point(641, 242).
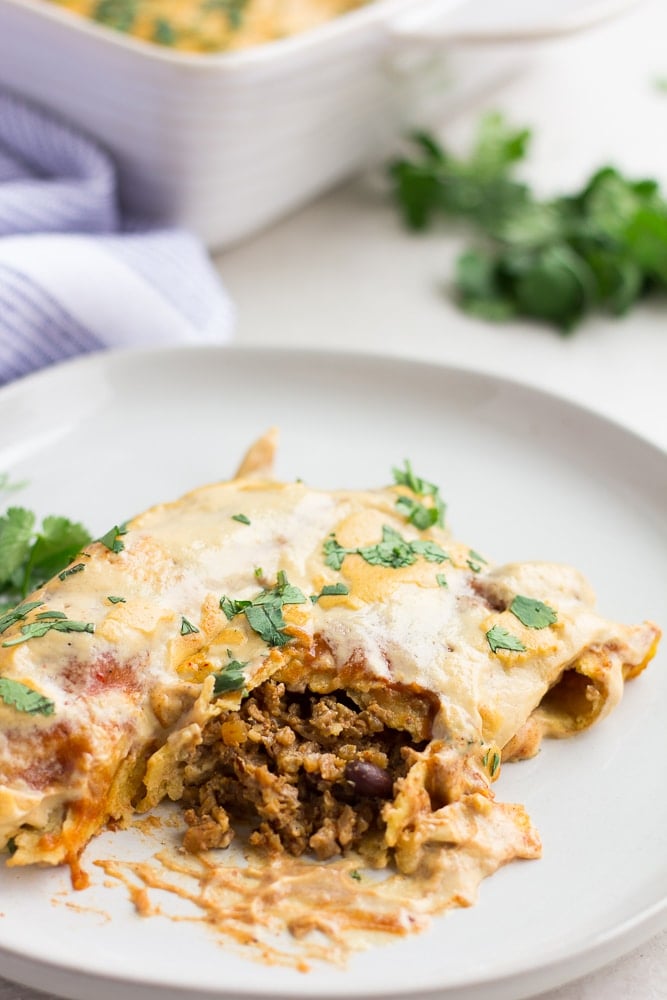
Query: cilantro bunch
point(30, 555)
point(599, 249)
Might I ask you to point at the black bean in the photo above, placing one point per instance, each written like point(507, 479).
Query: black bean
point(369, 779)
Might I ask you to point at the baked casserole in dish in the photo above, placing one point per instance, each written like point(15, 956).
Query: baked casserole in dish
point(226, 142)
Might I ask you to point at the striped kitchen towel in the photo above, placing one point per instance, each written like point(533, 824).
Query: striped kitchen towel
point(74, 275)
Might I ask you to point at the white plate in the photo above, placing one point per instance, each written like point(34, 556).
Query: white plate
point(526, 476)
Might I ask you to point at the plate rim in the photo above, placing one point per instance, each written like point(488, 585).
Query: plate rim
point(95, 358)
point(596, 951)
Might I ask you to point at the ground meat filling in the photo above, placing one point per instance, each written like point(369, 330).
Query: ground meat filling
point(306, 771)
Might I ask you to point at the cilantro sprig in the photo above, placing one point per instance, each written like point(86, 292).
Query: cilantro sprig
point(601, 248)
point(30, 555)
point(264, 613)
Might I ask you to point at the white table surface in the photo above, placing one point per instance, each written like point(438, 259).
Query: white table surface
point(343, 273)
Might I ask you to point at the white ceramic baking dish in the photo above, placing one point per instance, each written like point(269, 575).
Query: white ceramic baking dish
point(225, 144)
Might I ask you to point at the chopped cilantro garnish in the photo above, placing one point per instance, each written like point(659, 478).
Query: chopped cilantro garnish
point(442, 579)
point(334, 553)
point(406, 477)
point(115, 600)
point(355, 875)
point(393, 551)
point(499, 638)
point(230, 678)
point(232, 9)
point(112, 538)
point(331, 590)
point(24, 699)
point(532, 613)
point(429, 550)
point(48, 621)
point(491, 761)
point(163, 32)
point(241, 518)
point(118, 14)
point(264, 612)
point(187, 628)
point(17, 614)
point(418, 513)
point(71, 571)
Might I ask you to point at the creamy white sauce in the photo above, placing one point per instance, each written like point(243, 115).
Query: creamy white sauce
point(177, 562)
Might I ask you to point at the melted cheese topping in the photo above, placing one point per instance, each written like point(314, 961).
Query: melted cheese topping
point(205, 26)
point(131, 698)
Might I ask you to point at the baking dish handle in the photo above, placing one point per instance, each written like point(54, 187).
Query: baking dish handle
point(511, 21)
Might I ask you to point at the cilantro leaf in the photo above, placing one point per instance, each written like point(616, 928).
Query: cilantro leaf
point(72, 571)
point(24, 699)
point(187, 628)
point(532, 613)
point(232, 608)
point(393, 551)
point(48, 621)
point(112, 539)
point(474, 561)
point(17, 614)
point(430, 551)
point(417, 513)
point(331, 590)
point(241, 518)
point(264, 612)
point(230, 678)
point(268, 622)
point(334, 554)
point(499, 638)
point(406, 477)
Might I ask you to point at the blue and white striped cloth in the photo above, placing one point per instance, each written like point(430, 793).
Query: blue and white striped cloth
point(74, 275)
